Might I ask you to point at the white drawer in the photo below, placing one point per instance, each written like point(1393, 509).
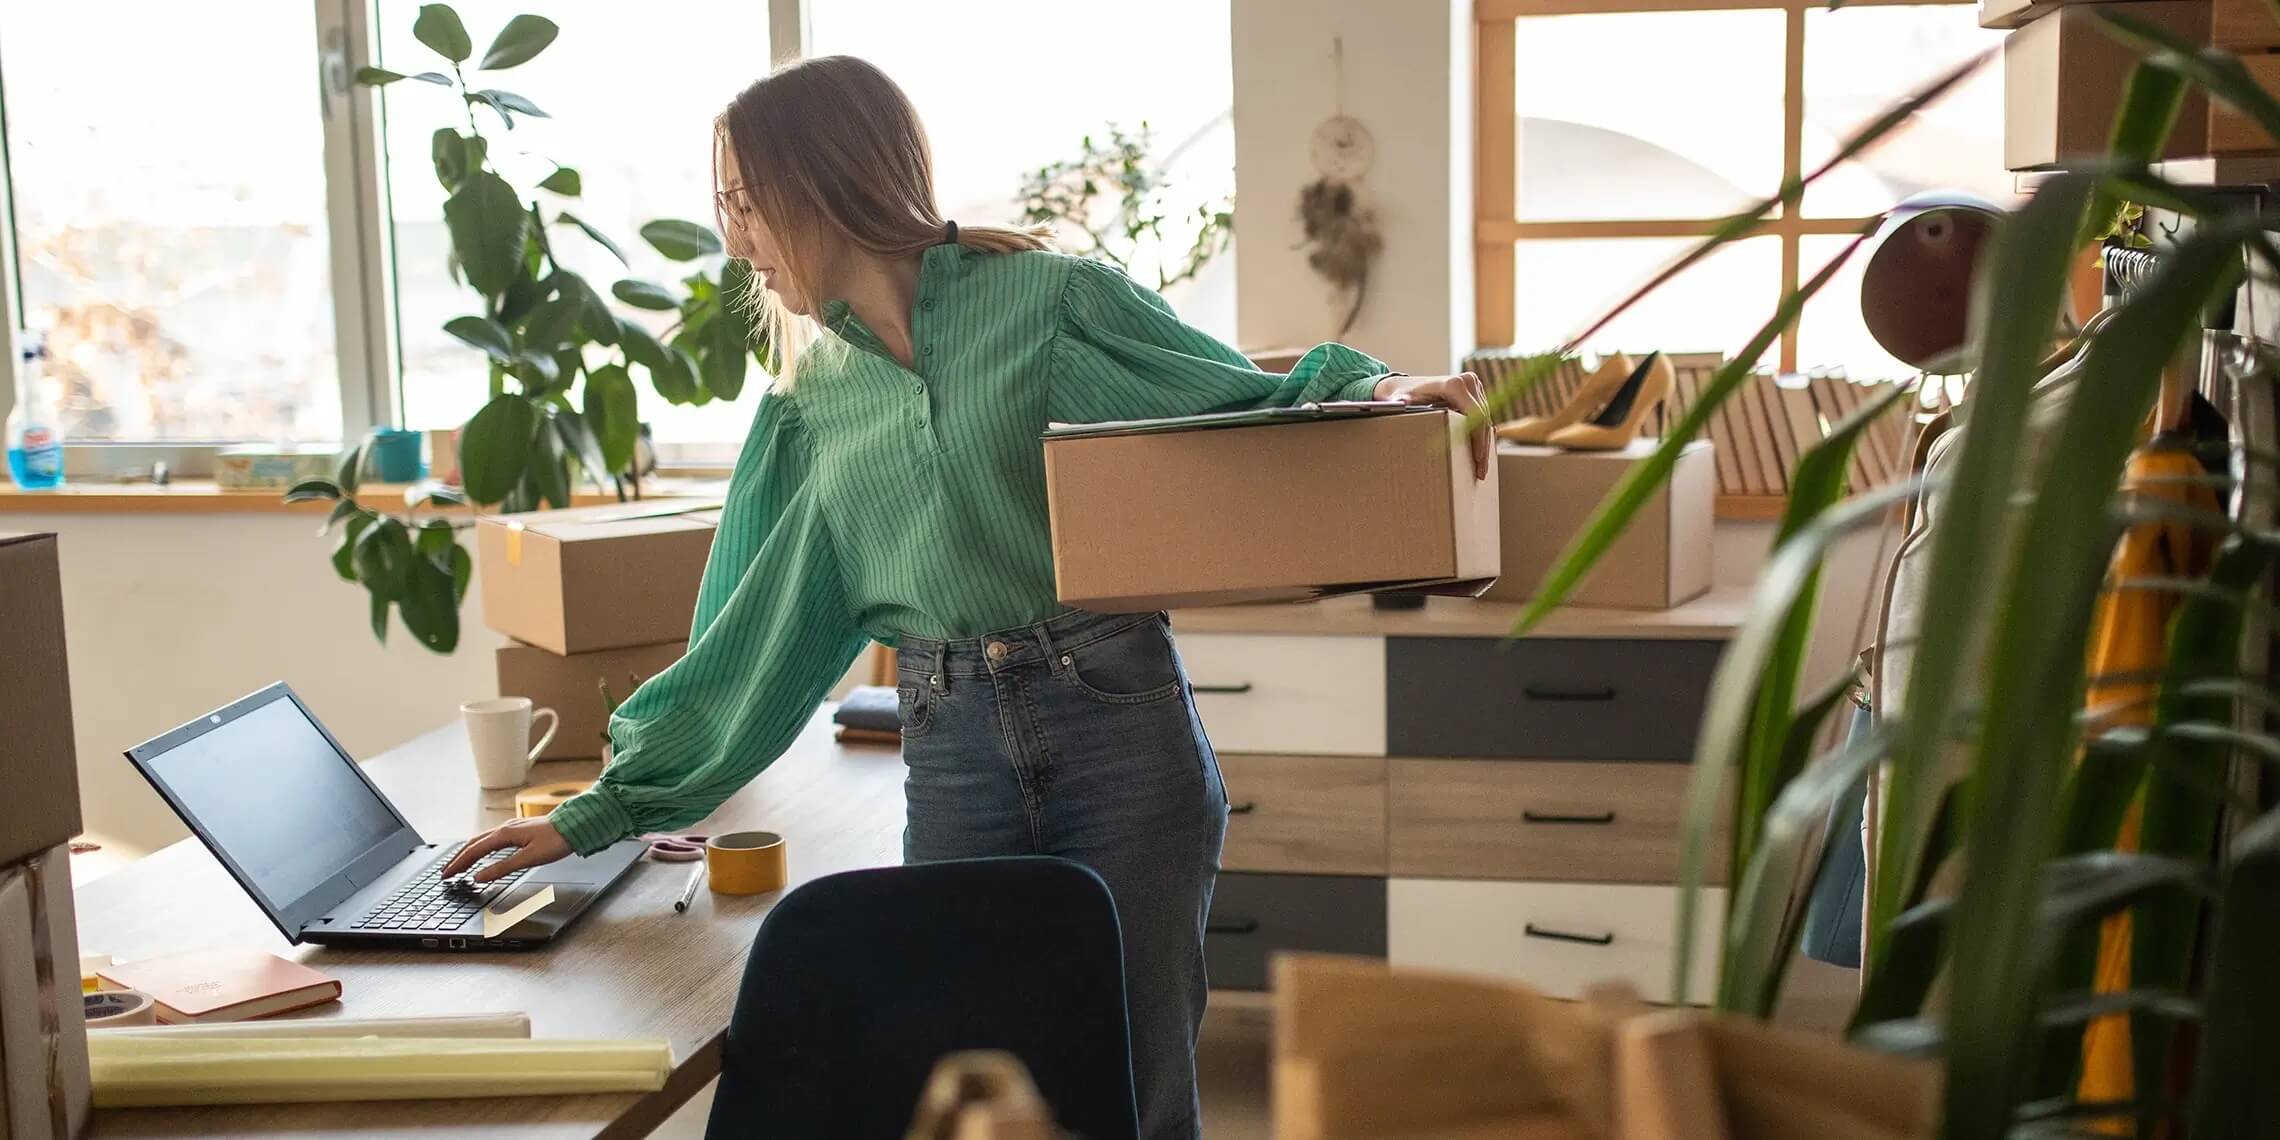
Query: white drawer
point(1557, 937)
point(1260, 693)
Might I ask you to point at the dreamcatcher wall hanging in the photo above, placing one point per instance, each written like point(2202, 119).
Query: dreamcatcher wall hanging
point(1342, 238)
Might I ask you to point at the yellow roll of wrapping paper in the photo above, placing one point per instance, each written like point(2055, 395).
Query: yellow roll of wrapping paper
point(132, 1071)
point(544, 798)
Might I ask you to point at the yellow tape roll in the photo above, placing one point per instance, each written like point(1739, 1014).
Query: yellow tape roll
point(107, 1009)
point(745, 862)
point(544, 798)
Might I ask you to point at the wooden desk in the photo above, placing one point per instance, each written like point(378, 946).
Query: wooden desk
point(629, 968)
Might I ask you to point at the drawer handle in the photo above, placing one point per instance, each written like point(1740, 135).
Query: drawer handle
point(1244, 808)
point(1232, 926)
point(1556, 817)
point(1535, 931)
point(1238, 688)
point(1555, 693)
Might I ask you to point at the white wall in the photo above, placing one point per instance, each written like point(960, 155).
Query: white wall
point(169, 615)
point(1408, 78)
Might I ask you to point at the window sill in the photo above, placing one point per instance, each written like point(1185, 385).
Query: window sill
point(201, 496)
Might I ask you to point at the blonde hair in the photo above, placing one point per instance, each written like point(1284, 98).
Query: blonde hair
point(832, 142)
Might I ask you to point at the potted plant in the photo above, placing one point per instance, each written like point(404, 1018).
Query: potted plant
point(559, 358)
point(2001, 853)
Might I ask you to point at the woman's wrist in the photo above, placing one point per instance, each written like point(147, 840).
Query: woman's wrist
point(1387, 385)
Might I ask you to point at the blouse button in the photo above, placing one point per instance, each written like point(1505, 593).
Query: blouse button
point(927, 351)
point(927, 304)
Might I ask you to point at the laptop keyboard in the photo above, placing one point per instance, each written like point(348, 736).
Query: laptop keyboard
point(429, 902)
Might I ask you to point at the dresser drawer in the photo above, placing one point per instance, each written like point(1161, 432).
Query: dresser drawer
point(1322, 815)
point(1557, 937)
point(1546, 699)
point(1292, 695)
point(1253, 916)
point(1589, 822)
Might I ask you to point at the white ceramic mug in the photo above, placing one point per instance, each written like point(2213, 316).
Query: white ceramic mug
point(499, 731)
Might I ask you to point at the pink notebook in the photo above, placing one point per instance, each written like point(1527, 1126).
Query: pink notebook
point(223, 985)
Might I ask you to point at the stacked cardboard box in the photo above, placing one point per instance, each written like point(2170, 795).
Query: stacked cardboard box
point(2064, 75)
point(43, 1037)
point(1661, 561)
point(593, 596)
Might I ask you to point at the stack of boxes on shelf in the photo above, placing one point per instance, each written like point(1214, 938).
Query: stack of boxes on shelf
point(592, 596)
point(2063, 76)
point(43, 1035)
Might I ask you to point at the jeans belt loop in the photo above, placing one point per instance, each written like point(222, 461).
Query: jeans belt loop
point(1045, 646)
point(941, 678)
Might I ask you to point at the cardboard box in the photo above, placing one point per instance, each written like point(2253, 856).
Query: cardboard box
point(2063, 78)
point(2231, 132)
point(595, 577)
point(1217, 512)
point(1662, 560)
point(39, 766)
point(571, 686)
point(2009, 14)
point(2243, 25)
point(43, 1029)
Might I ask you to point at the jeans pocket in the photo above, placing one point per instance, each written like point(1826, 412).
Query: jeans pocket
point(1133, 666)
point(914, 709)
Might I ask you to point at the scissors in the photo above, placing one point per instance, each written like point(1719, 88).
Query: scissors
point(675, 848)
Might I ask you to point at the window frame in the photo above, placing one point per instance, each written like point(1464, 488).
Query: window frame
point(1496, 228)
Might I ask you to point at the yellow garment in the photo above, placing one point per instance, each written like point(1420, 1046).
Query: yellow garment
point(2128, 644)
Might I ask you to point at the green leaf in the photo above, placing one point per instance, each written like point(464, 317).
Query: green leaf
point(380, 617)
point(486, 221)
point(679, 240)
point(439, 28)
point(462, 572)
point(428, 600)
point(1643, 479)
point(2151, 102)
point(579, 441)
point(640, 347)
point(563, 181)
point(494, 447)
point(675, 377)
point(539, 372)
point(348, 472)
point(612, 415)
point(550, 467)
point(519, 42)
point(645, 295)
point(2214, 70)
point(455, 155)
point(421, 494)
point(381, 77)
point(313, 490)
point(504, 102)
point(483, 333)
point(553, 321)
point(2234, 1095)
point(380, 554)
point(730, 334)
point(344, 509)
point(594, 316)
point(598, 236)
point(433, 539)
point(344, 551)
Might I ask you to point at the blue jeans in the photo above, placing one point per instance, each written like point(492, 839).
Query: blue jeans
point(1078, 738)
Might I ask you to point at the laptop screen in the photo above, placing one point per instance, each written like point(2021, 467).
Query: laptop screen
point(268, 790)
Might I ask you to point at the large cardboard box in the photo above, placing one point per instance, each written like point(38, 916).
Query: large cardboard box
point(39, 767)
point(595, 577)
point(2231, 132)
point(1661, 561)
point(2063, 78)
point(571, 686)
point(44, 1091)
point(1267, 507)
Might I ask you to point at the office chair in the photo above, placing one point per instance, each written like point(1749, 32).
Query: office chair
point(859, 982)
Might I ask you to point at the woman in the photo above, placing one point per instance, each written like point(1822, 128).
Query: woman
point(892, 488)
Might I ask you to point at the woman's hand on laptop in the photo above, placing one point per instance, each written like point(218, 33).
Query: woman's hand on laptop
point(535, 841)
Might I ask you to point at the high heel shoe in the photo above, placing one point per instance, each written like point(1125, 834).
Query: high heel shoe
point(1589, 396)
point(1617, 424)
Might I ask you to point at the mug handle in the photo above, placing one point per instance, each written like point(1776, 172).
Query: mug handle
point(553, 724)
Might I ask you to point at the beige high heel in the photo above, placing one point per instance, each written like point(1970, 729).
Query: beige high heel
point(1614, 426)
point(1589, 397)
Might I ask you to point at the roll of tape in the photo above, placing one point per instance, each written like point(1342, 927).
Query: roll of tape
point(119, 1009)
point(745, 862)
point(544, 798)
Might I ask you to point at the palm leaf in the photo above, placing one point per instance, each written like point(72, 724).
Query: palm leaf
point(2214, 70)
point(2234, 1096)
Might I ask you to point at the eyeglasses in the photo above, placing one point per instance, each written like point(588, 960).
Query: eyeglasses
point(725, 198)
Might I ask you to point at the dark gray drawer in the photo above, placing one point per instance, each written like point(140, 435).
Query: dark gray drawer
point(1546, 699)
point(1253, 916)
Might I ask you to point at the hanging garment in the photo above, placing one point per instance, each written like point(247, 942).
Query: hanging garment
point(1833, 913)
point(2129, 641)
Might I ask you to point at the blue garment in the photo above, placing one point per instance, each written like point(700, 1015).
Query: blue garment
point(1832, 915)
point(1078, 738)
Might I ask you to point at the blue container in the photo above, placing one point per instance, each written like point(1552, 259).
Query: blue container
point(395, 456)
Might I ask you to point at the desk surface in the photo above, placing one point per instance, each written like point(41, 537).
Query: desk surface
point(629, 968)
point(1711, 617)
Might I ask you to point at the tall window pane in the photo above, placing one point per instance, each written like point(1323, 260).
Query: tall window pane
point(1859, 61)
point(184, 287)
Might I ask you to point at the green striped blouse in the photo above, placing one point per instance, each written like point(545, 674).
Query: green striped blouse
point(874, 501)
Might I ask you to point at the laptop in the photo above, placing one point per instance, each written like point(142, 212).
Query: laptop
point(298, 824)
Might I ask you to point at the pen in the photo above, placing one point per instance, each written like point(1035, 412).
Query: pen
point(689, 893)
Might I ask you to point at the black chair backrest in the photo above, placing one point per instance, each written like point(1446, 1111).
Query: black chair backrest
point(859, 982)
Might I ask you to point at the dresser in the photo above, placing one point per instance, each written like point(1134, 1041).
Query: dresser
point(1414, 785)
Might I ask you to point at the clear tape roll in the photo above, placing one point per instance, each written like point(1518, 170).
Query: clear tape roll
point(542, 799)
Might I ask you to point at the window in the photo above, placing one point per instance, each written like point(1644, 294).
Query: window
point(184, 288)
point(1614, 133)
point(631, 91)
point(1165, 64)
